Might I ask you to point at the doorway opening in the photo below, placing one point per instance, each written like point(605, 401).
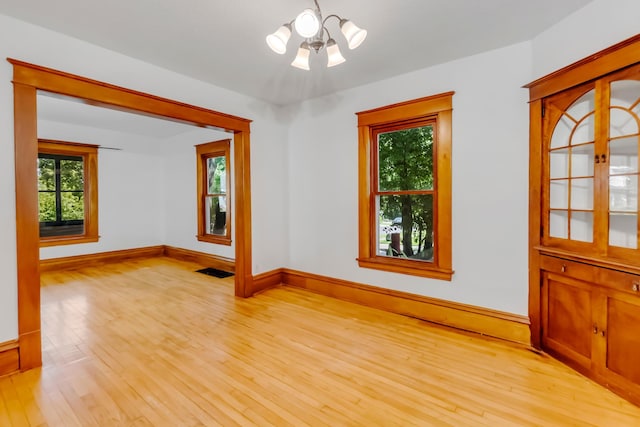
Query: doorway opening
point(28, 79)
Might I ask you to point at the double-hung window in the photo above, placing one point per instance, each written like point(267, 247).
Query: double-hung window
point(405, 187)
point(67, 192)
point(214, 204)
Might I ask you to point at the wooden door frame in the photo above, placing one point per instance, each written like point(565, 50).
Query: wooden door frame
point(27, 80)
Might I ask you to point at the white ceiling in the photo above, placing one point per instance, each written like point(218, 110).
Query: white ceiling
point(223, 41)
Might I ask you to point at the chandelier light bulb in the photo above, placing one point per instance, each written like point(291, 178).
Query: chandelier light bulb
point(354, 34)
point(278, 40)
point(334, 57)
point(302, 58)
point(307, 23)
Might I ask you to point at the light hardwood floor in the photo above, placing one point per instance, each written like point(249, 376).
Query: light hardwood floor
point(151, 343)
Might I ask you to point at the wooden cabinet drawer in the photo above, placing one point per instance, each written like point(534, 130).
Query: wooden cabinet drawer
point(619, 280)
point(574, 269)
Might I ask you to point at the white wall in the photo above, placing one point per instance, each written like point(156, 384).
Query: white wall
point(596, 26)
point(43, 47)
point(130, 189)
point(490, 150)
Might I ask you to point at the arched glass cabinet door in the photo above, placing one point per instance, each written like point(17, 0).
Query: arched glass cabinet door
point(622, 94)
point(570, 184)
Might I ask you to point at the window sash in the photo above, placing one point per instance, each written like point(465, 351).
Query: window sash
point(207, 220)
point(68, 231)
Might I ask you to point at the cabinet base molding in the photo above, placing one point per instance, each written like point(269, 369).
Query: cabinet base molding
point(497, 324)
point(9, 357)
point(209, 260)
point(79, 261)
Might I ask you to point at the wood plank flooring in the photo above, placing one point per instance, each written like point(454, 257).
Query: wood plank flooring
point(152, 343)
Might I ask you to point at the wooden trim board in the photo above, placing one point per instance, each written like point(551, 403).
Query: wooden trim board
point(497, 324)
point(78, 261)
point(270, 279)
point(9, 357)
point(206, 260)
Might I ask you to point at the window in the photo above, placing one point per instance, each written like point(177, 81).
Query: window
point(214, 207)
point(405, 187)
point(67, 192)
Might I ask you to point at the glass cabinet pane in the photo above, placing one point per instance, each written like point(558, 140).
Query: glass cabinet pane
point(623, 193)
point(582, 226)
point(559, 163)
point(584, 130)
point(582, 194)
point(623, 230)
point(559, 194)
point(582, 160)
point(623, 155)
point(559, 224)
point(625, 107)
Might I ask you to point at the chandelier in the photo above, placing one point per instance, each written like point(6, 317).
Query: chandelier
point(310, 25)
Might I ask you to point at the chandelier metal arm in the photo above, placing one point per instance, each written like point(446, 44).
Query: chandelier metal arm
point(324, 21)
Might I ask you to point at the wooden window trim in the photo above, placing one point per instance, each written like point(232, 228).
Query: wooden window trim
point(436, 108)
point(89, 154)
point(204, 152)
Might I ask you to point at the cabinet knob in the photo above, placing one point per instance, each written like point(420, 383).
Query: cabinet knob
point(563, 268)
point(595, 329)
point(635, 287)
point(596, 158)
point(602, 332)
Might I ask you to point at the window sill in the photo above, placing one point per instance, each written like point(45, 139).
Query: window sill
point(70, 240)
point(413, 268)
point(219, 240)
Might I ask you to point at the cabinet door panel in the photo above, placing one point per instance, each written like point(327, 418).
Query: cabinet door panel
point(623, 343)
point(567, 321)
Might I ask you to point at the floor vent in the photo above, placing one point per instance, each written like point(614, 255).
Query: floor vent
point(215, 272)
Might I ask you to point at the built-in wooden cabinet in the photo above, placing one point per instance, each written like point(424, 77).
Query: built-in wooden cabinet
point(590, 319)
point(584, 299)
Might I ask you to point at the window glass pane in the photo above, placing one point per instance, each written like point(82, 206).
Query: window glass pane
point(46, 174)
point(216, 215)
point(405, 159)
point(47, 206)
point(216, 175)
point(405, 226)
point(72, 206)
point(72, 175)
